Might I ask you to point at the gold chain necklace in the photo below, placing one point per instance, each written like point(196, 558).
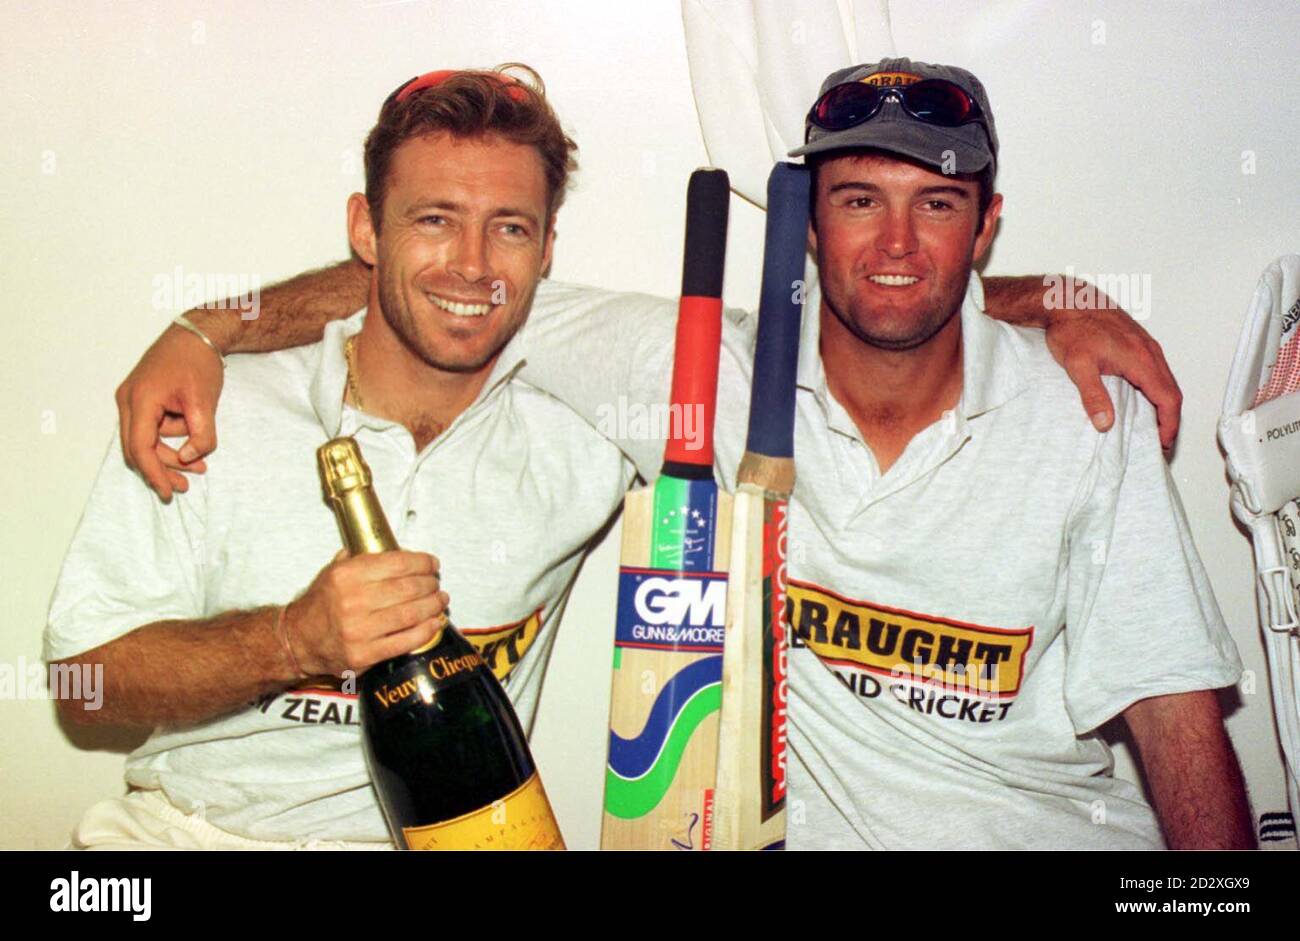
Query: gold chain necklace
point(350, 354)
point(426, 433)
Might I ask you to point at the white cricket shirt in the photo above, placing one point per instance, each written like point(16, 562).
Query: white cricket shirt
point(493, 497)
point(964, 622)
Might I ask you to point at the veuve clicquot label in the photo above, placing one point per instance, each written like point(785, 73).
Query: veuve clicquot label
point(431, 674)
point(521, 820)
point(447, 755)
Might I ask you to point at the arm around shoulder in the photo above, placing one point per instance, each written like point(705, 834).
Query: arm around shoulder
point(1090, 336)
point(174, 388)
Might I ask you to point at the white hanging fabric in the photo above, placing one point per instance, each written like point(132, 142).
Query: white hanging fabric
point(756, 68)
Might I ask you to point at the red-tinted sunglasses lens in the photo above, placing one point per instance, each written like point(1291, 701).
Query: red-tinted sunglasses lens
point(433, 79)
point(933, 101)
point(427, 80)
point(846, 105)
point(939, 102)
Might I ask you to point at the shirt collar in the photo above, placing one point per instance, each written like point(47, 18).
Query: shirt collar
point(991, 373)
point(331, 373)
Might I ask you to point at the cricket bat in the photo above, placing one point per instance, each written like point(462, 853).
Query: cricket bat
point(749, 801)
point(667, 675)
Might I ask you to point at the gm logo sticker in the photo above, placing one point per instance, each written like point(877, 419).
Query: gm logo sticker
point(668, 610)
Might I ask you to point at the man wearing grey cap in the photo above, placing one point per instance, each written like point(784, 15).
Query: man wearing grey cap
point(979, 579)
point(992, 580)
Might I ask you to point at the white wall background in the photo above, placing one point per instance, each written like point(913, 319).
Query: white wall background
point(224, 138)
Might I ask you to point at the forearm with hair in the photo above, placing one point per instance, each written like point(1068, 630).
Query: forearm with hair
point(291, 313)
point(1017, 300)
point(1022, 299)
point(1192, 771)
point(182, 672)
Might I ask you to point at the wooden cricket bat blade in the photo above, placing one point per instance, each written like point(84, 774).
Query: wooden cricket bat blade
point(750, 797)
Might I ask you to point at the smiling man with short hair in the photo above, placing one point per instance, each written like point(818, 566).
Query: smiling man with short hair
point(212, 616)
point(992, 579)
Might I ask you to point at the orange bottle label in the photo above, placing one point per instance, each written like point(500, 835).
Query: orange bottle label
point(522, 820)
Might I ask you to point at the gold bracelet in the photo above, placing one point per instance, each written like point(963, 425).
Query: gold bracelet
point(181, 321)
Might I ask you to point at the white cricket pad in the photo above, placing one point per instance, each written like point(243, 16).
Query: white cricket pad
point(1260, 432)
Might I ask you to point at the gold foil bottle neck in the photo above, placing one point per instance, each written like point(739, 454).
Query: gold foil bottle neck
point(342, 468)
point(345, 479)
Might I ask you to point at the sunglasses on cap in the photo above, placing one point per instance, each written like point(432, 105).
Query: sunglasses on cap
point(932, 101)
point(434, 79)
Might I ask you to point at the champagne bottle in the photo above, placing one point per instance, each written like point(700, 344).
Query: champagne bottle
point(446, 752)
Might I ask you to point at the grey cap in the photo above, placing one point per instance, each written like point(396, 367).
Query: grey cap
point(894, 130)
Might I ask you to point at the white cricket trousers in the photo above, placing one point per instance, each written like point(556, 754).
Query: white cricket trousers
point(146, 820)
